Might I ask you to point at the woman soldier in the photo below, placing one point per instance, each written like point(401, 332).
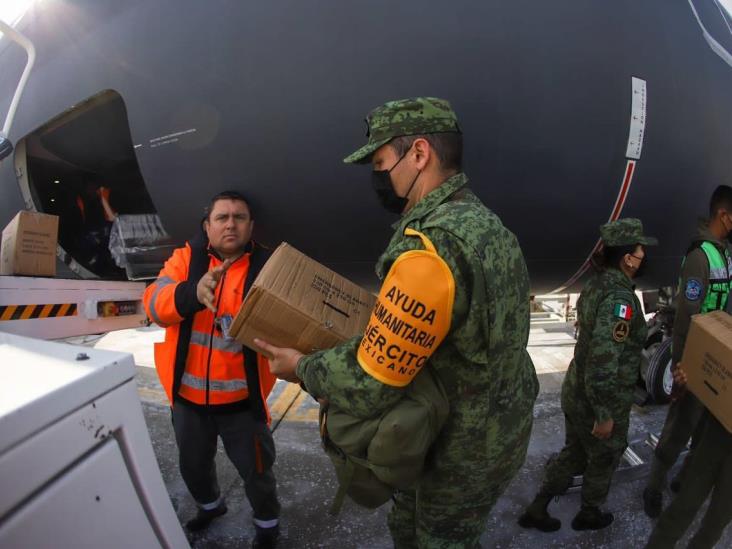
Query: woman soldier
point(598, 389)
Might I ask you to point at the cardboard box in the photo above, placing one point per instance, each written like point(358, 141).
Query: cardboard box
point(29, 245)
point(297, 302)
point(707, 362)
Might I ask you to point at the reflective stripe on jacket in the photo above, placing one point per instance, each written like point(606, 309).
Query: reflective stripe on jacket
point(214, 372)
point(720, 282)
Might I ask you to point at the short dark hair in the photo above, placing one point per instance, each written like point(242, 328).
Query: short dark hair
point(721, 198)
point(227, 195)
point(447, 145)
point(608, 257)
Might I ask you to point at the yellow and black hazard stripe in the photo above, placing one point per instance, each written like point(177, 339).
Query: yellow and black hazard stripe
point(26, 312)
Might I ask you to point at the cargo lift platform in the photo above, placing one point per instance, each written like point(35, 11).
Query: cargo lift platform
point(54, 308)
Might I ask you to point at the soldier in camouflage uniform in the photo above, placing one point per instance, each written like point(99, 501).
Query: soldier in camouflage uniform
point(415, 147)
point(598, 388)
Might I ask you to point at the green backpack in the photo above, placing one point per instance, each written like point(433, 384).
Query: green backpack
point(375, 457)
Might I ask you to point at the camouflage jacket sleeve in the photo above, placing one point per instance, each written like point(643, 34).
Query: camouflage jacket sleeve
point(693, 286)
point(602, 373)
point(336, 375)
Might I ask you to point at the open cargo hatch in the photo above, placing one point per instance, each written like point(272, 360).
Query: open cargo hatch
point(81, 166)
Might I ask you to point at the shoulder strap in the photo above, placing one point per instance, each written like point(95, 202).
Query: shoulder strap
point(344, 482)
point(426, 242)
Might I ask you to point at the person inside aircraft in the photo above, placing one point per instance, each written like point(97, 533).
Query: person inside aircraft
point(598, 389)
point(97, 215)
point(215, 386)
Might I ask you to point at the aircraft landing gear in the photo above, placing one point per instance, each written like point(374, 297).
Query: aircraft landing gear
point(656, 363)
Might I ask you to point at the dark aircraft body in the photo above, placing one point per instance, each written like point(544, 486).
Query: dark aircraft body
point(190, 98)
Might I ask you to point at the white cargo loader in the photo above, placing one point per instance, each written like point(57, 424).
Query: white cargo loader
point(77, 468)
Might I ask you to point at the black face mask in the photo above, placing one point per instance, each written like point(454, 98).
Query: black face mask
point(384, 188)
point(641, 268)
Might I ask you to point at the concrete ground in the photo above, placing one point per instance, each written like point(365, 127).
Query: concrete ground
point(306, 481)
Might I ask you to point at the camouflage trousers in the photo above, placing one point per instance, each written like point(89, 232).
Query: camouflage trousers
point(464, 479)
point(583, 454)
point(681, 423)
point(710, 471)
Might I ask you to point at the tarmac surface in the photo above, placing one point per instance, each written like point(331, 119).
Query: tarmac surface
point(307, 484)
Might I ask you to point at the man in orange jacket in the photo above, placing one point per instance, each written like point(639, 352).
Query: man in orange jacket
point(216, 387)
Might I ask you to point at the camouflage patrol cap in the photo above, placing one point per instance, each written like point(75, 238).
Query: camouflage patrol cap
point(625, 232)
point(415, 116)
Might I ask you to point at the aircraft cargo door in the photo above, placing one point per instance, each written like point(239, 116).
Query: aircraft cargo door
point(81, 166)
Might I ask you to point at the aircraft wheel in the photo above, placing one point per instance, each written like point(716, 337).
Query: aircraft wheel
point(659, 380)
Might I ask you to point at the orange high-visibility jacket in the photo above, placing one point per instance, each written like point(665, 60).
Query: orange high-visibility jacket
point(196, 362)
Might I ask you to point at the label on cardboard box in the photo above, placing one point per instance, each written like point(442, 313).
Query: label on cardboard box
point(707, 362)
point(296, 302)
point(29, 245)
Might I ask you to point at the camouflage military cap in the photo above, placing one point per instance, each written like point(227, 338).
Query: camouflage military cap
point(415, 116)
point(625, 232)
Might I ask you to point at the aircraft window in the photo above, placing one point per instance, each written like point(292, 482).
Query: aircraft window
point(82, 167)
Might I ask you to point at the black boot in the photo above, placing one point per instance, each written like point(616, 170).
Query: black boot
point(266, 538)
point(537, 516)
point(591, 518)
point(652, 502)
point(204, 517)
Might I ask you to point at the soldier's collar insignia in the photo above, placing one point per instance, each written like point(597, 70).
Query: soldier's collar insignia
point(621, 331)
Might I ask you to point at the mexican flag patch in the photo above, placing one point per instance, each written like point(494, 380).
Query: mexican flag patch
point(623, 311)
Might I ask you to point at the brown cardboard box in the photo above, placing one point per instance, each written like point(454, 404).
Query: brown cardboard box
point(297, 302)
point(29, 245)
point(707, 362)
